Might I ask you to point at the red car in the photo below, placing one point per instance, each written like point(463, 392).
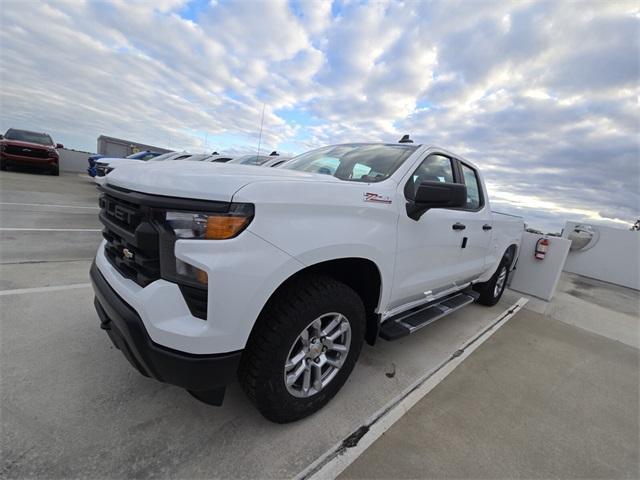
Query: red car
point(29, 149)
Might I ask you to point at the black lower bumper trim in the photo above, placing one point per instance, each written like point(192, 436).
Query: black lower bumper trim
point(127, 332)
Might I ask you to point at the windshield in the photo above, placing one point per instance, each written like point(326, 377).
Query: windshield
point(25, 136)
point(353, 162)
point(250, 160)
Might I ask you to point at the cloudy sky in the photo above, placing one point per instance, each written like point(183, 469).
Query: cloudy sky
point(544, 96)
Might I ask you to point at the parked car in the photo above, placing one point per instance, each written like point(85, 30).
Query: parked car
point(278, 275)
point(275, 161)
point(91, 169)
point(170, 156)
point(96, 160)
point(29, 149)
point(217, 158)
point(254, 159)
point(106, 165)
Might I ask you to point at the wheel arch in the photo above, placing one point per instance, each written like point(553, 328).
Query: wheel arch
point(361, 274)
point(511, 253)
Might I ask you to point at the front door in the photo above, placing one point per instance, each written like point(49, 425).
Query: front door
point(429, 256)
point(445, 248)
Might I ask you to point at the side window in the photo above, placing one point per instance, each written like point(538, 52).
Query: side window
point(434, 168)
point(473, 187)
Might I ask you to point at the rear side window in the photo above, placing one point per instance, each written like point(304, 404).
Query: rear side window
point(434, 168)
point(473, 187)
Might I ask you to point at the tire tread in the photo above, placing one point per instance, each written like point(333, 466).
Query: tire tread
point(277, 319)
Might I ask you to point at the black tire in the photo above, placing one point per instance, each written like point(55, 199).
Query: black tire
point(55, 172)
point(489, 295)
point(3, 164)
point(261, 371)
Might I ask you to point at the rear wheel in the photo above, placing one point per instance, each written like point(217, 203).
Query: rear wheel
point(491, 291)
point(3, 164)
point(303, 349)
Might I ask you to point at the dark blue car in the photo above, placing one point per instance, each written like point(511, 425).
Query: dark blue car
point(144, 155)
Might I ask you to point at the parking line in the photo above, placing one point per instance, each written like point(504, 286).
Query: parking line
point(20, 291)
point(50, 229)
point(49, 205)
point(333, 462)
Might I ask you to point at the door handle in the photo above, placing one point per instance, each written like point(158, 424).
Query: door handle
point(458, 226)
point(486, 226)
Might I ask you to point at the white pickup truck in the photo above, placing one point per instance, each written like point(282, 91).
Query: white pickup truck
point(277, 276)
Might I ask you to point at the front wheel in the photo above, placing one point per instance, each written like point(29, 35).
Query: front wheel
point(303, 348)
point(3, 164)
point(492, 290)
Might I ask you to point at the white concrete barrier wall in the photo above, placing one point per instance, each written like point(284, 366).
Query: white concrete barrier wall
point(614, 258)
point(73, 160)
point(539, 278)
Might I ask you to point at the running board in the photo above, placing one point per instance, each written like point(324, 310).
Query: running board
point(413, 320)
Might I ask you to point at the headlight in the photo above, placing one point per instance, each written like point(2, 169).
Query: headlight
point(210, 226)
point(205, 226)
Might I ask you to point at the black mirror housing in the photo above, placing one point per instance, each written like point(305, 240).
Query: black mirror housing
point(436, 195)
point(59, 145)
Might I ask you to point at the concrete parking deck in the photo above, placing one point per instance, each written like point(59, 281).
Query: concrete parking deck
point(553, 394)
point(539, 399)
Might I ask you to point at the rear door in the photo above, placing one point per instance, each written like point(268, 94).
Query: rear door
point(477, 219)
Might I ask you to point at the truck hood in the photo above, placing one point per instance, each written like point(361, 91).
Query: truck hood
point(202, 180)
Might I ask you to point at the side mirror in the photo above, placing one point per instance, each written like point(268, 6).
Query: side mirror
point(59, 145)
point(436, 195)
point(1, 136)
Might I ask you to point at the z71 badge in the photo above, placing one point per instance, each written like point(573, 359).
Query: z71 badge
point(376, 198)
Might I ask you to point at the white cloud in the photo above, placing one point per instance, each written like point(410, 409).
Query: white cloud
point(542, 95)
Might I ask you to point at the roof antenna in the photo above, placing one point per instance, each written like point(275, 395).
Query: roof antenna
point(261, 124)
point(405, 139)
point(274, 154)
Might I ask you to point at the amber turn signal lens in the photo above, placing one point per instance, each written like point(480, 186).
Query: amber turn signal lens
point(202, 276)
point(220, 227)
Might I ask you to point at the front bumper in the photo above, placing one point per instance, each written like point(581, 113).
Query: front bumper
point(127, 332)
point(22, 161)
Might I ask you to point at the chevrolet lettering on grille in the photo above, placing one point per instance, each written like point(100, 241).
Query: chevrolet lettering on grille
point(118, 212)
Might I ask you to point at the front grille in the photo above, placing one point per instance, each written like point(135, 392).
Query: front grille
point(132, 240)
point(26, 151)
point(141, 246)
